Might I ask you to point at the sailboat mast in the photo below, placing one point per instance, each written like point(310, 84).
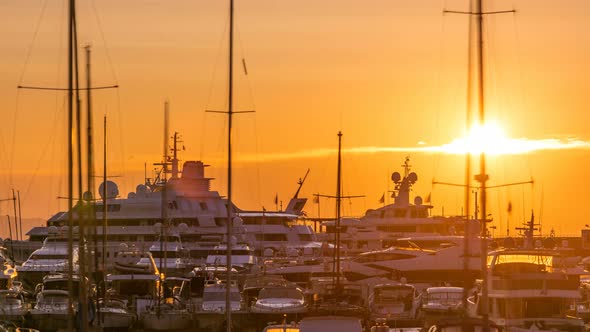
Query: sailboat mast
point(338, 208)
point(229, 166)
point(104, 194)
point(482, 177)
point(70, 137)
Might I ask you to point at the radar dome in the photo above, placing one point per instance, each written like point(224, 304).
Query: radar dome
point(396, 177)
point(123, 246)
point(112, 191)
point(413, 177)
point(131, 195)
point(87, 196)
point(141, 189)
point(418, 200)
point(52, 230)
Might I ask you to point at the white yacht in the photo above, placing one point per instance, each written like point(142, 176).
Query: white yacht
point(12, 306)
point(136, 286)
point(451, 263)
point(380, 227)
point(445, 301)
point(169, 255)
point(194, 212)
point(170, 311)
point(242, 257)
point(530, 290)
point(214, 295)
point(51, 311)
point(280, 299)
point(393, 301)
point(114, 314)
point(52, 257)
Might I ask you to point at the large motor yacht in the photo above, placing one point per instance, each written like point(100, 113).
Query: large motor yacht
point(530, 290)
point(380, 227)
point(194, 212)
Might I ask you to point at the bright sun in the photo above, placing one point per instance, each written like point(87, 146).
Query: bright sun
point(489, 138)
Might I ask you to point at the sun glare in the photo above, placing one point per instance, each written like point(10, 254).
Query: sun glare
point(489, 138)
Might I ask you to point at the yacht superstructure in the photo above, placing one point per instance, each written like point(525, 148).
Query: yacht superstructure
point(531, 290)
point(195, 213)
point(380, 227)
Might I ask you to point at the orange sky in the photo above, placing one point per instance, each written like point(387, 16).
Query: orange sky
point(386, 73)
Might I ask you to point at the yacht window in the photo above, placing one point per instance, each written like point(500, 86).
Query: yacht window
point(173, 205)
point(110, 207)
point(203, 206)
point(287, 293)
point(399, 213)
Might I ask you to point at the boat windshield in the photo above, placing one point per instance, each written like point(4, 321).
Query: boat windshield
point(45, 256)
point(543, 261)
point(290, 293)
point(444, 296)
point(390, 295)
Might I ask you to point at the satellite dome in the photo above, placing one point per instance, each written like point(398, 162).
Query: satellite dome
point(87, 196)
point(157, 227)
point(396, 177)
point(123, 246)
point(413, 177)
point(141, 189)
point(418, 200)
point(52, 230)
point(111, 192)
point(131, 195)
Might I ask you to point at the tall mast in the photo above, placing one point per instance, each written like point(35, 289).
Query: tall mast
point(104, 194)
point(338, 208)
point(229, 166)
point(164, 206)
point(15, 215)
point(482, 177)
point(70, 137)
point(20, 217)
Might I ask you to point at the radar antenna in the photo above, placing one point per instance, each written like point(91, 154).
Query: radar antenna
point(300, 183)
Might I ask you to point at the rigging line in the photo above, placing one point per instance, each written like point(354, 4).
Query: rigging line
point(30, 49)
point(253, 104)
point(17, 104)
point(121, 138)
point(44, 151)
point(437, 155)
point(520, 67)
point(103, 39)
point(212, 82)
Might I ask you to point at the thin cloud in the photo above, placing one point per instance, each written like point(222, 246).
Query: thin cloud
point(457, 147)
